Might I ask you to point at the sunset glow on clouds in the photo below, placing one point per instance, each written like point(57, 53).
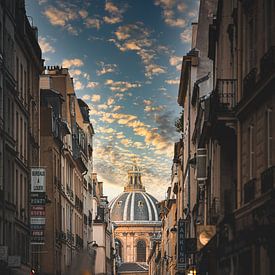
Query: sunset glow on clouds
point(125, 58)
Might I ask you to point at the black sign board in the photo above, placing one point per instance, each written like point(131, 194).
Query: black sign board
point(181, 245)
point(191, 245)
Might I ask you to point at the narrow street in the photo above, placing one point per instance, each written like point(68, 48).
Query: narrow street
point(137, 137)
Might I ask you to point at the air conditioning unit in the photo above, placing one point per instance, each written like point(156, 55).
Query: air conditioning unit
point(201, 162)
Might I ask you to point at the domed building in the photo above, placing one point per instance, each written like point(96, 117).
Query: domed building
point(136, 220)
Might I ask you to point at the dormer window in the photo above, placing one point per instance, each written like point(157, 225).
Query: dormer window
point(119, 203)
point(140, 203)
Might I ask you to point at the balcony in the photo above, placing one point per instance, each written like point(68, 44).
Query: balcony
point(90, 219)
point(268, 62)
point(70, 237)
point(249, 190)
point(249, 82)
point(79, 155)
point(225, 95)
point(78, 241)
point(78, 204)
point(69, 192)
point(61, 236)
point(267, 179)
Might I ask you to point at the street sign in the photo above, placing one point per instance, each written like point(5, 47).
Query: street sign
point(38, 220)
point(14, 261)
point(38, 211)
point(37, 226)
point(38, 240)
point(3, 253)
point(38, 179)
point(181, 259)
point(38, 205)
point(191, 245)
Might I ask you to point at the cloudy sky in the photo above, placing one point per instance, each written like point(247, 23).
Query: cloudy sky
point(125, 57)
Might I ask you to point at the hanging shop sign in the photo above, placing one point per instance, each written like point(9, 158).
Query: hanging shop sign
point(38, 198)
point(38, 220)
point(38, 205)
point(38, 179)
point(181, 259)
point(191, 246)
point(38, 211)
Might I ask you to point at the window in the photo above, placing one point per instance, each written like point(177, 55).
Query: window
point(21, 137)
point(16, 129)
point(17, 72)
point(141, 251)
point(251, 151)
point(21, 81)
point(25, 141)
point(119, 203)
point(269, 136)
point(140, 203)
point(16, 190)
point(268, 23)
point(251, 41)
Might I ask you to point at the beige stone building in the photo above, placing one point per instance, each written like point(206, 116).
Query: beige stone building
point(136, 221)
point(102, 244)
point(163, 255)
point(227, 181)
point(66, 153)
point(20, 67)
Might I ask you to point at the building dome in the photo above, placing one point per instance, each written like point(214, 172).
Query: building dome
point(134, 205)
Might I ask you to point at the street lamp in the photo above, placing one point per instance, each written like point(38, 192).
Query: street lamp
point(192, 271)
point(93, 244)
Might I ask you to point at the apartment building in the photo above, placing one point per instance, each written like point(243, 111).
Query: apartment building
point(228, 169)
point(103, 238)
point(66, 154)
point(20, 67)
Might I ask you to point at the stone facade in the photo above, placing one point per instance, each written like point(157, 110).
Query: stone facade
point(102, 244)
point(66, 142)
point(20, 67)
point(225, 190)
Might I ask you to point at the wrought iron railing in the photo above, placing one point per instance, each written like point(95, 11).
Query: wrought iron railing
point(226, 91)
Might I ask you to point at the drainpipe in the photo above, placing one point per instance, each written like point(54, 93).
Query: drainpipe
point(3, 68)
point(189, 138)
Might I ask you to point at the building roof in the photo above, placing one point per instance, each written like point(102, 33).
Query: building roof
point(134, 206)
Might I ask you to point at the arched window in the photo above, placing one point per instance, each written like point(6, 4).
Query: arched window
point(141, 251)
point(118, 248)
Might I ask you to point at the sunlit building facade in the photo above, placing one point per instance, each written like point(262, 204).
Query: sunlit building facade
point(227, 186)
point(66, 139)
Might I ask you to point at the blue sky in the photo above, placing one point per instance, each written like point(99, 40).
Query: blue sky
point(125, 57)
